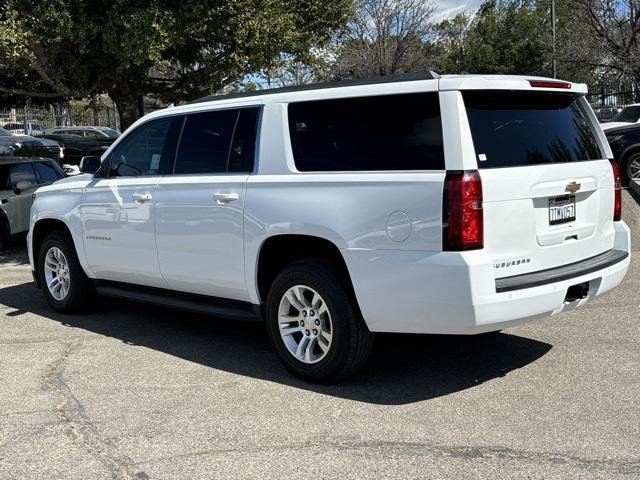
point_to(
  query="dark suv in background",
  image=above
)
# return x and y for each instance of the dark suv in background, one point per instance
(78, 142)
(625, 144)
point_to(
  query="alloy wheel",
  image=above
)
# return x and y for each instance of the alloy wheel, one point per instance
(56, 273)
(304, 324)
(633, 169)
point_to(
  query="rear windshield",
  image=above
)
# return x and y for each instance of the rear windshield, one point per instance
(511, 129)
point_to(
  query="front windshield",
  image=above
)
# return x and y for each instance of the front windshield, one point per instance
(629, 114)
(4, 133)
(109, 132)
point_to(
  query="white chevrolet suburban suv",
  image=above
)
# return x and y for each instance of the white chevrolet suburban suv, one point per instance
(418, 204)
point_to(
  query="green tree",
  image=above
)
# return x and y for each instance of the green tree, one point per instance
(504, 37)
(451, 41)
(171, 49)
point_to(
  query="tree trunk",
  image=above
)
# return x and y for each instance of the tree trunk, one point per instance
(127, 105)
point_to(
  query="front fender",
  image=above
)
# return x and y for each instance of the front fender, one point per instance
(62, 208)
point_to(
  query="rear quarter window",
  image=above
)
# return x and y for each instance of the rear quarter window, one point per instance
(512, 129)
(390, 132)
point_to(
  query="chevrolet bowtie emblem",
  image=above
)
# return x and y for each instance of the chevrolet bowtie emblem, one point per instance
(572, 187)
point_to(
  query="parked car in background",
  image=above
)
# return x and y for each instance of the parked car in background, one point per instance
(85, 131)
(629, 114)
(605, 114)
(625, 145)
(27, 146)
(24, 128)
(19, 178)
(78, 142)
(458, 204)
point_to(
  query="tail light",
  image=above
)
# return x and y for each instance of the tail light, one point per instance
(463, 223)
(549, 84)
(617, 187)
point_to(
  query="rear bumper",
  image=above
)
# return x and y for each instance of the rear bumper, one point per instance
(455, 293)
(559, 274)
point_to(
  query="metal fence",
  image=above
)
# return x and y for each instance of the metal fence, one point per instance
(60, 115)
(613, 95)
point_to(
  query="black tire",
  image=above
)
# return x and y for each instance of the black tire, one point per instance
(4, 232)
(351, 342)
(625, 171)
(81, 290)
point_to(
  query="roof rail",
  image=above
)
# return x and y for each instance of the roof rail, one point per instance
(405, 77)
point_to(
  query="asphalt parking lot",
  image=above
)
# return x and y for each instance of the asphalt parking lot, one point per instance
(135, 392)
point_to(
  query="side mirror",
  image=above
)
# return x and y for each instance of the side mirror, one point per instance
(90, 164)
(22, 185)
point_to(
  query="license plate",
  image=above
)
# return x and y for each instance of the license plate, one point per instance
(562, 209)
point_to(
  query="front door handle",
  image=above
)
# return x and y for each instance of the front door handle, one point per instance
(224, 198)
(141, 197)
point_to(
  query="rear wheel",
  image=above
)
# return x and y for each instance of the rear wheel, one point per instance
(631, 168)
(64, 283)
(314, 323)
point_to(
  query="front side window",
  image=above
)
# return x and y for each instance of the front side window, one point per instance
(205, 141)
(92, 134)
(19, 172)
(512, 128)
(390, 132)
(148, 150)
(47, 172)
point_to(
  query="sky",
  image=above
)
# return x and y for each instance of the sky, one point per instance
(450, 8)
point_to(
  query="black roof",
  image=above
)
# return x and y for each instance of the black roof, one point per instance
(11, 160)
(405, 77)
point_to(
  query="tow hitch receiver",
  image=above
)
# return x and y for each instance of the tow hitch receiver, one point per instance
(577, 292)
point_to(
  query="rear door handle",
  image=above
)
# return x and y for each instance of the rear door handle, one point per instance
(224, 198)
(141, 197)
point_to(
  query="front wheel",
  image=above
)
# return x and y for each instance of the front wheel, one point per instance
(314, 323)
(64, 283)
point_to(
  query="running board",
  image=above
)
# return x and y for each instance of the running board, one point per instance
(213, 306)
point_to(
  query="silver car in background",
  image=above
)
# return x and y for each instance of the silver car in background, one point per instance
(19, 178)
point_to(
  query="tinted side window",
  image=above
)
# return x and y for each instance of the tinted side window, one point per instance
(148, 150)
(22, 171)
(243, 147)
(391, 132)
(46, 172)
(205, 142)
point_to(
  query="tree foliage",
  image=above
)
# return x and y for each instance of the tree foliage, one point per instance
(505, 37)
(172, 49)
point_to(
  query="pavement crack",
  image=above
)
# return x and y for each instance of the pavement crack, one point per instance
(417, 449)
(79, 427)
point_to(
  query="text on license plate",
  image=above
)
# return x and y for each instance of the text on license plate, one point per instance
(562, 209)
